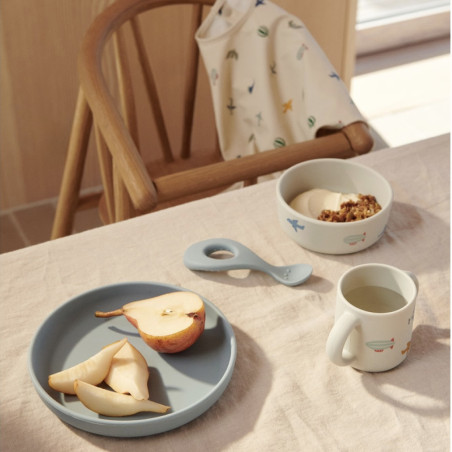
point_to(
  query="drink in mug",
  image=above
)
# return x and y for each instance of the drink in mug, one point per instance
(374, 318)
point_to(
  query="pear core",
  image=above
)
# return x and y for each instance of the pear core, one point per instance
(164, 317)
(168, 323)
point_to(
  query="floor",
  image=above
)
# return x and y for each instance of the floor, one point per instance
(404, 94)
(371, 10)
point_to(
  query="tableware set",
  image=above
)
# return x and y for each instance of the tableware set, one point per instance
(373, 319)
(375, 302)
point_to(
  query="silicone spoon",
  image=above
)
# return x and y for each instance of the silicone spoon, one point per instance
(198, 257)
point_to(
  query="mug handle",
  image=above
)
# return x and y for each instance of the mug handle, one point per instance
(337, 338)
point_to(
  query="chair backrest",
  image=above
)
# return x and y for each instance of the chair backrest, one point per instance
(129, 186)
(117, 126)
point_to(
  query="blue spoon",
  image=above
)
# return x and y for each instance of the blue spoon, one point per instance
(199, 257)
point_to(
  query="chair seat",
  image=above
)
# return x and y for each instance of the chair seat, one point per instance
(159, 168)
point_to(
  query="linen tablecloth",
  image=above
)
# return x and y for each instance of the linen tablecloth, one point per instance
(284, 393)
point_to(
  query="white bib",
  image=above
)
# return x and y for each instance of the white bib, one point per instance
(271, 83)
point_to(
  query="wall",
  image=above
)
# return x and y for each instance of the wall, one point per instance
(38, 84)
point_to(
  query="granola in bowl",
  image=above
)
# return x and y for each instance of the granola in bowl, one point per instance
(365, 207)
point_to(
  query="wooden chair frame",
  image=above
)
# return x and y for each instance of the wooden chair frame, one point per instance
(128, 186)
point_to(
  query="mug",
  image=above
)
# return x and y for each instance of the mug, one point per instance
(374, 318)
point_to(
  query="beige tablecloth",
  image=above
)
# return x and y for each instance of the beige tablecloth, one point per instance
(284, 393)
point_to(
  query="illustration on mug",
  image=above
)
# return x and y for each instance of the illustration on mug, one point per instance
(380, 346)
(408, 345)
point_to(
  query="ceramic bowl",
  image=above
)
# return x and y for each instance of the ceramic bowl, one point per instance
(345, 176)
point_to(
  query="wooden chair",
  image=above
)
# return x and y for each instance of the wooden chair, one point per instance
(129, 186)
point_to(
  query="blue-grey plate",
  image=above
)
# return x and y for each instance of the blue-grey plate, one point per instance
(190, 382)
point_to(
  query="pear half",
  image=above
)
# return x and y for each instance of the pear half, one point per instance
(129, 373)
(109, 403)
(168, 323)
(93, 370)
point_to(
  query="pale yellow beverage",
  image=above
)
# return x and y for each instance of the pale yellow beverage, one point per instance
(375, 299)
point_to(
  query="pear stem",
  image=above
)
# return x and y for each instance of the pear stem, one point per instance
(109, 314)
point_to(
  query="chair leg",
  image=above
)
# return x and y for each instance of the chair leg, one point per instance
(73, 170)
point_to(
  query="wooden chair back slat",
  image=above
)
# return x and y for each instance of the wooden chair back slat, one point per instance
(106, 171)
(152, 92)
(191, 83)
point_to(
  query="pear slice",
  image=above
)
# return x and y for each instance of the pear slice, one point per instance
(129, 373)
(168, 323)
(93, 370)
(109, 403)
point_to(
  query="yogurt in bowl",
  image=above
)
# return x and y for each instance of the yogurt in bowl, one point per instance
(341, 177)
(311, 203)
